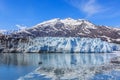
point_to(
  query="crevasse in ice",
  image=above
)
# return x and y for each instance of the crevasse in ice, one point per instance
(67, 44)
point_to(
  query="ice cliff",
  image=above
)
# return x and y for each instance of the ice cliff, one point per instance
(67, 44)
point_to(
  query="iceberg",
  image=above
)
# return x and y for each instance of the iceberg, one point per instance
(67, 44)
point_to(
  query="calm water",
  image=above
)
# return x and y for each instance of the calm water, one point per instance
(55, 66)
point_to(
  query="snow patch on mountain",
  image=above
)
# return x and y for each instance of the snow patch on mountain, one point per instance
(67, 22)
(119, 33)
(2, 31)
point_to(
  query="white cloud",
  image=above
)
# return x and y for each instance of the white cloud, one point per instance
(21, 27)
(90, 7)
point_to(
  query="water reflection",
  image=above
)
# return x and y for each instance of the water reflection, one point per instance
(72, 66)
(69, 66)
(15, 65)
(73, 60)
(53, 66)
(19, 59)
(55, 60)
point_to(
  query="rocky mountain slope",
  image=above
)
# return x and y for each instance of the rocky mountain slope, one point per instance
(71, 28)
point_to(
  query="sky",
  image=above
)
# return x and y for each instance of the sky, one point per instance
(16, 14)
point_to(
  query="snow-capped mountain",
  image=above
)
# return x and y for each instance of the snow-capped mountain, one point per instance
(71, 28)
(63, 35)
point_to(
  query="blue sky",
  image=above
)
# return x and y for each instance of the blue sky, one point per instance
(17, 13)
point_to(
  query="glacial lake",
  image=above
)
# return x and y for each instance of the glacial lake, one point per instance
(58, 66)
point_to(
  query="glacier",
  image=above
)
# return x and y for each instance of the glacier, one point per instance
(67, 44)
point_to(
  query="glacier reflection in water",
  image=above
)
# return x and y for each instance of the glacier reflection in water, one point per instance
(19, 59)
(12, 66)
(68, 66)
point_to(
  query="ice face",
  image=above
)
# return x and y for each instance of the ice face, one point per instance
(70, 44)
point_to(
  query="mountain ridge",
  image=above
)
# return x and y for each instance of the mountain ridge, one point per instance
(71, 28)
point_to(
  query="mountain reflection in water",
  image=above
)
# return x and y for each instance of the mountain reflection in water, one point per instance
(68, 66)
